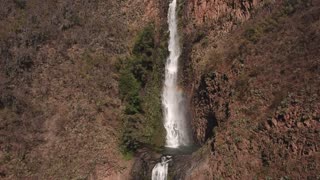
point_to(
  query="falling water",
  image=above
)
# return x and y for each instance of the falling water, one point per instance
(160, 171)
(172, 98)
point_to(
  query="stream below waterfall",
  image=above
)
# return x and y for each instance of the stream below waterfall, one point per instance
(160, 170)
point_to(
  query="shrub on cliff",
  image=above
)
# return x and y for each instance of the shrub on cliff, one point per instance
(145, 42)
(253, 34)
(129, 90)
(140, 85)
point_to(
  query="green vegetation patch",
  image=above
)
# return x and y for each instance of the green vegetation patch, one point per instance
(140, 86)
(253, 34)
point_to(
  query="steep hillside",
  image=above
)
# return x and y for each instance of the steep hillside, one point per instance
(81, 81)
(60, 108)
(253, 71)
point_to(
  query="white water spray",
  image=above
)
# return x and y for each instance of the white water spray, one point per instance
(172, 99)
(160, 171)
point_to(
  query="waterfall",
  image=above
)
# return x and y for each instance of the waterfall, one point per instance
(160, 170)
(173, 101)
(172, 98)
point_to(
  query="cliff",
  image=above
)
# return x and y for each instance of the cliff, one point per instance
(80, 86)
(253, 73)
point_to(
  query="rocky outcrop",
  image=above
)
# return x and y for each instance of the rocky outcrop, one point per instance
(250, 68)
(210, 105)
(209, 21)
(203, 11)
(265, 114)
(145, 160)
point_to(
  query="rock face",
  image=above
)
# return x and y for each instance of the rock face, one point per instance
(207, 22)
(250, 69)
(202, 11)
(211, 97)
(252, 72)
(145, 161)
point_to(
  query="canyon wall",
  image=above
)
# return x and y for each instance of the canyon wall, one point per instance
(251, 72)
(208, 23)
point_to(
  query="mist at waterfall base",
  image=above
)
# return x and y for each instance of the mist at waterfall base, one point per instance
(173, 101)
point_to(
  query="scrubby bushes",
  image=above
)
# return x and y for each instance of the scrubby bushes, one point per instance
(145, 42)
(129, 89)
(253, 34)
(140, 85)
(290, 6)
(20, 3)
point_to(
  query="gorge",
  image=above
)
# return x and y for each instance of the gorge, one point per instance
(123, 89)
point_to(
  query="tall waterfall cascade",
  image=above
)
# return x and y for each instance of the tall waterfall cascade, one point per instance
(173, 100)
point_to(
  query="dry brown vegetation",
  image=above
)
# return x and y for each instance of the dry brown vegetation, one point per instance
(251, 69)
(59, 103)
(272, 66)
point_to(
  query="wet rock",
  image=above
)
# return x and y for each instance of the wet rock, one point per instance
(145, 160)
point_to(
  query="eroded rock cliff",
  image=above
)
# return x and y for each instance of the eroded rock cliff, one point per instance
(252, 71)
